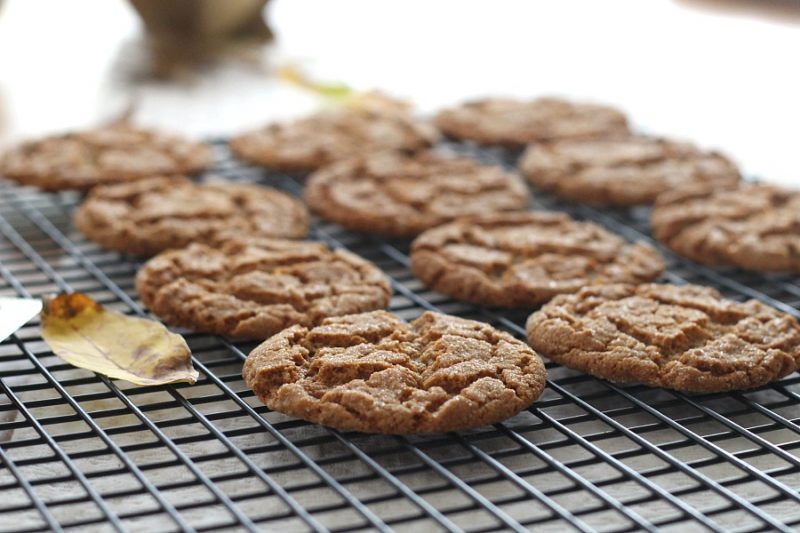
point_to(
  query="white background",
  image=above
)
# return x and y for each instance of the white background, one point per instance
(725, 74)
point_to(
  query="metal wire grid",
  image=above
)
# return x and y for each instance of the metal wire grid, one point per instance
(81, 451)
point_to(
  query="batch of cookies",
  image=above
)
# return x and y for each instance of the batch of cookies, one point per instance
(229, 257)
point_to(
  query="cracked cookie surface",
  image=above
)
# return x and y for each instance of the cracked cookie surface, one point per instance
(401, 195)
(118, 153)
(524, 259)
(623, 172)
(257, 288)
(686, 338)
(310, 143)
(148, 216)
(515, 123)
(374, 373)
(752, 226)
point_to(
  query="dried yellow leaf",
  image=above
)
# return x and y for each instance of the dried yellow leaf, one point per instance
(85, 334)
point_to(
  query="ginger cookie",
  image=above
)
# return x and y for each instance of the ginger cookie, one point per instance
(117, 153)
(148, 216)
(374, 373)
(255, 288)
(515, 123)
(310, 143)
(625, 171)
(752, 226)
(403, 195)
(524, 259)
(686, 338)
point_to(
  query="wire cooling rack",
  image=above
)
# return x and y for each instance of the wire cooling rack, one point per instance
(82, 452)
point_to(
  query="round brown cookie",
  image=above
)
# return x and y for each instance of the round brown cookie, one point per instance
(310, 143)
(117, 153)
(524, 259)
(256, 288)
(372, 372)
(401, 195)
(751, 226)
(515, 123)
(686, 338)
(623, 172)
(148, 216)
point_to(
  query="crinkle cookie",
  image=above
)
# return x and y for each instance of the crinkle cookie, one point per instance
(148, 216)
(623, 172)
(403, 195)
(524, 259)
(372, 372)
(752, 226)
(255, 288)
(117, 153)
(310, 143)
(686, 338)
(515, 123)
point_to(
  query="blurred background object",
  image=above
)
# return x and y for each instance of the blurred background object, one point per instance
(209, 20)
(720, 73)
(192, 33)
(775, 10)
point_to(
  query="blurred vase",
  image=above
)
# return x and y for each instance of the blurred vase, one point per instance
(203, 20)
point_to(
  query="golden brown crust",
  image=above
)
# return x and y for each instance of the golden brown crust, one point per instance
(148, 216)
(112, 154)
(373, 372)
(310, 143)
(396, 194)
(257, 288)
(624, 171)
(686, 338)
(751, 226)
(524, 259)
(515, 123)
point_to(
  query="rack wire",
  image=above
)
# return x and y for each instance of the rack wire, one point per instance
(83, 452)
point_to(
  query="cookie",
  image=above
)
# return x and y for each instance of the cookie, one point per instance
(310, 143)
(524, 259)
(402, 195)
(752, 226)
(623, 172)
(686, 338)
(148, 216)
(515, 123)
(374, 373)
(117, 153)
(255, 288)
